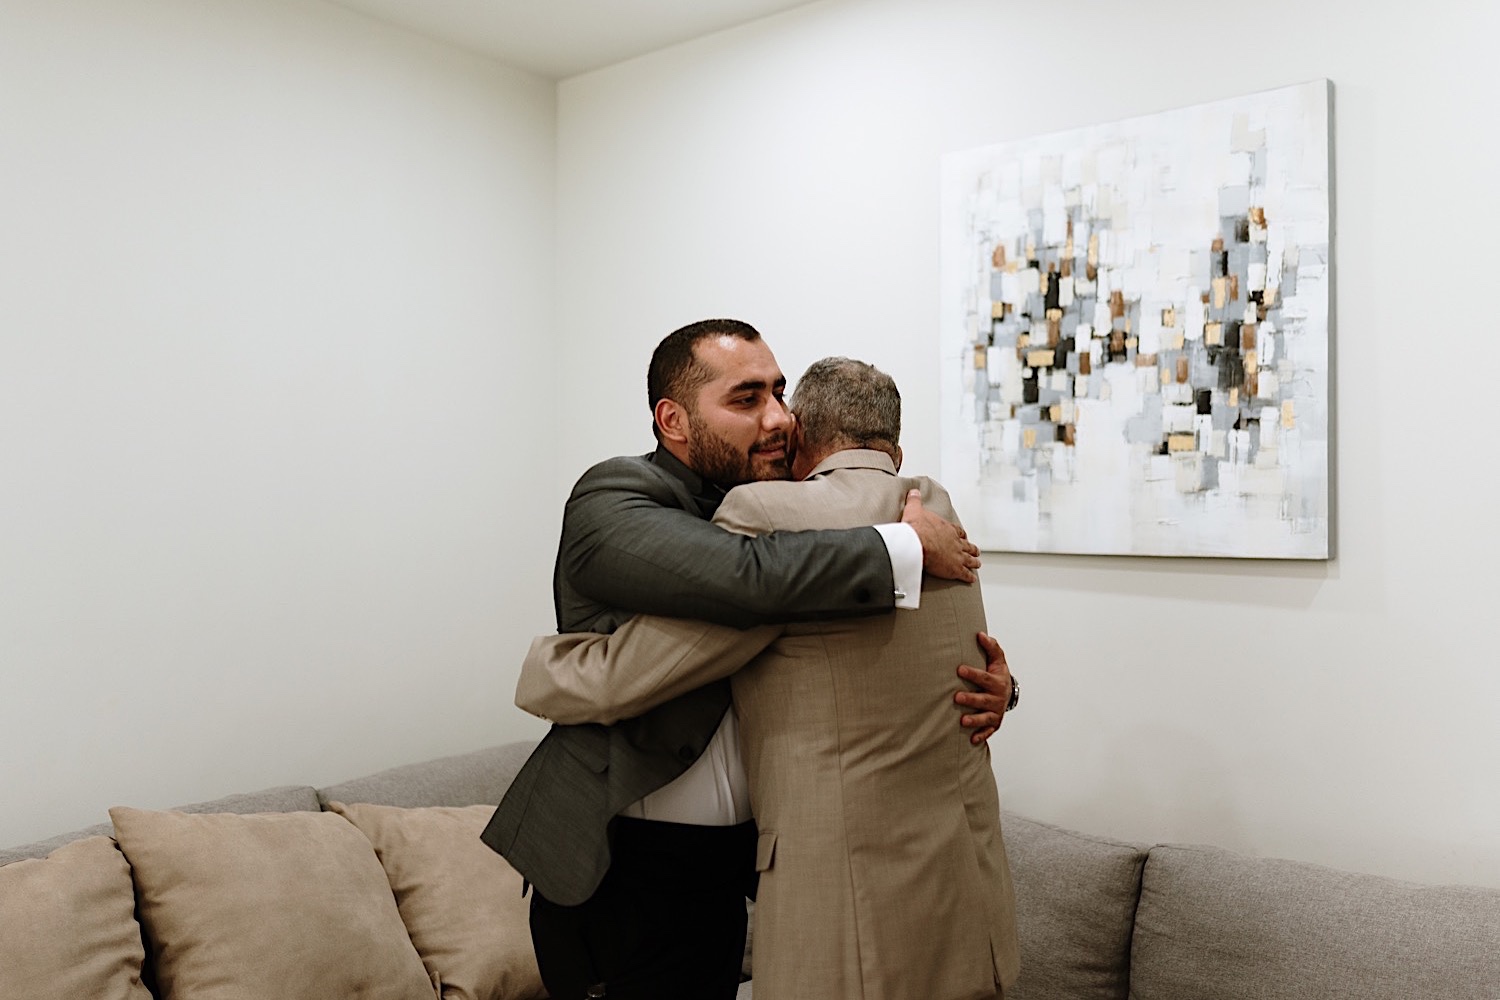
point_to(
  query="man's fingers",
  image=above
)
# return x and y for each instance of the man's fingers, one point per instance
(993, 683)
(982, 701)
(993, 654)
(985, 725)
(993, 692)
(913, 509)
(946, 553)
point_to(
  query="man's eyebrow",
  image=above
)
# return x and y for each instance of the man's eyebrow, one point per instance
(756, 385)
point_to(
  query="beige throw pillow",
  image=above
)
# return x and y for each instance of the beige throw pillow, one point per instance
(285, 905)
(460, 900)
(67, 926)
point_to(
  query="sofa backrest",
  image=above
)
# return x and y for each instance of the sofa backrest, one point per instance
(285, 798)
(1213, 923)
(477, 778)
(1075, 905)
(468, 779)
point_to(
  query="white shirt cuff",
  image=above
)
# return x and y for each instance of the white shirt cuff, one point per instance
(905, 550)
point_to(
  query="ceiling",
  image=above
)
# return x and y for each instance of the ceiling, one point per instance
(561, 38)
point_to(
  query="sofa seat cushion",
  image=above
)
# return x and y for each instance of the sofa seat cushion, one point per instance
(1216, 923)
(461, 902)
(67, 926)
(286, 905)
(1075, 906)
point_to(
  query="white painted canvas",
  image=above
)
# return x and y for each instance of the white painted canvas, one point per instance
(1135, 334)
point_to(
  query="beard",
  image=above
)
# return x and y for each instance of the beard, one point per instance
(717, 461)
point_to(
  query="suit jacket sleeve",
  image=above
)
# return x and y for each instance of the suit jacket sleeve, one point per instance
(629, 544)
(581, 677)
(587, 677)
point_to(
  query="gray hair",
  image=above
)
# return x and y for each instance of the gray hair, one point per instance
(842, 403)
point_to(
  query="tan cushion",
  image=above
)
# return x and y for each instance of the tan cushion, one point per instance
(460, 900)
(284, 905)
(67, 926)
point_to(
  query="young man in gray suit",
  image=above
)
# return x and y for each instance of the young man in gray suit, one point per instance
(882, 868)
(637, 842)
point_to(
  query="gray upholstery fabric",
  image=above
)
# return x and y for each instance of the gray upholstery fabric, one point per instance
(283, 798)
(1215, 923)
(1075, 904)
(42, 848)
(476, 778)
(287, 798)
(749, 937)
(470, 779)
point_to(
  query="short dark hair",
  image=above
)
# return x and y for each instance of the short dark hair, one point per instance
(675, 372)
(843, 403)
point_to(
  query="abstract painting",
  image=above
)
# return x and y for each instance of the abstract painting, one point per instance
(1135, 334)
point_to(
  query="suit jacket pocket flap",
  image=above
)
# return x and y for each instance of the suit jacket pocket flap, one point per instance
(765, 850)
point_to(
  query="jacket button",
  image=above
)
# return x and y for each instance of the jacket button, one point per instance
(862, 595)
(687, 753)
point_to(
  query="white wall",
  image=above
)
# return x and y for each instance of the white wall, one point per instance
(275, 288)
(277, 334)
(787, 173)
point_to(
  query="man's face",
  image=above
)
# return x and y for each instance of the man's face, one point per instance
(739, 430)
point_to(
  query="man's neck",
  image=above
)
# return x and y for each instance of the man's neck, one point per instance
(810, 460)
(705, 493)
(677, 449)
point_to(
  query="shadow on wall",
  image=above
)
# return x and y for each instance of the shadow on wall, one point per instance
(1270, 583)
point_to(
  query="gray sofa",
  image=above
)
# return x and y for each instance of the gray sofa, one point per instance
(1099, 919)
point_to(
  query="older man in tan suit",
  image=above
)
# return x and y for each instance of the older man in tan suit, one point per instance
(882, 871)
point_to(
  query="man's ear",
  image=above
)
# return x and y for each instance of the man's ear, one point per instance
(898, 458)
(672, 420)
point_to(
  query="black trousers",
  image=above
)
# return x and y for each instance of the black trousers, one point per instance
(667, 922)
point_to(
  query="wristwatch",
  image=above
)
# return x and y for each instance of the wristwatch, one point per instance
(1015, 693)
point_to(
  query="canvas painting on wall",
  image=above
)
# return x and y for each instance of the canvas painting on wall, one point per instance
(1135, 334)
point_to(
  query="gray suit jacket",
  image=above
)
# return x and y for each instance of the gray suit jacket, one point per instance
(636, 539)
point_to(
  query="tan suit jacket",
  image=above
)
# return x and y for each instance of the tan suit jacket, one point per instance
(883, 873)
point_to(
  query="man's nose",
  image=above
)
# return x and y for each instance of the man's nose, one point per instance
(777, 417)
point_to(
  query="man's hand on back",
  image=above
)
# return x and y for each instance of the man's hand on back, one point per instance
(947, 552)
(988, 704)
